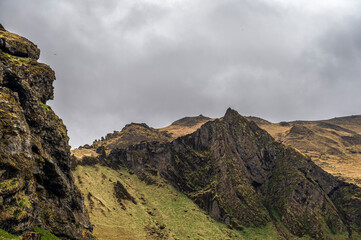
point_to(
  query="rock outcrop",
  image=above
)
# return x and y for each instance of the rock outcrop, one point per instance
(36, 185)
(334, 144)
(241, 176)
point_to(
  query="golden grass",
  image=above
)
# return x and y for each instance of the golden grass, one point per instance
(79, 153)
(157, 207)
(178, 130)
(325, 144)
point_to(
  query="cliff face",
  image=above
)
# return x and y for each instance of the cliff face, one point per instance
(334, 145)
(36, 185)
(237, 173)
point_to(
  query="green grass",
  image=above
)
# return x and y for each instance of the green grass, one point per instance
(43, 106)
(267, 233)
(159, 209)
(46, 235)
(6, 235)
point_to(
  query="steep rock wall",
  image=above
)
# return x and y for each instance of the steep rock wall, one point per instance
(36, 185)
(241, 176)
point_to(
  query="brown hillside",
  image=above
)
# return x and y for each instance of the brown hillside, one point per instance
(335, 144)
(185, 126)
(135, 133)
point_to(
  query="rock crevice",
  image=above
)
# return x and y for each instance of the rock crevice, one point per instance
(36, 185)
(241, 176)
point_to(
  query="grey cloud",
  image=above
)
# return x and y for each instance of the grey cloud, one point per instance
(157, 61)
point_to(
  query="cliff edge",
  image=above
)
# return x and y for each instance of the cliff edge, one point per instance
(36, 184)
(244, 178)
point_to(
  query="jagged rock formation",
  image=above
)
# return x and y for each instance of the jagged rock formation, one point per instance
(131, 134)
(36, 185)
(334, 145)
(241, 176)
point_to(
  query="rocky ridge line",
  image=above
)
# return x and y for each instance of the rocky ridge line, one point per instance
(241, 176)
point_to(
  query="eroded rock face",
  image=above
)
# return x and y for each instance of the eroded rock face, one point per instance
(36, 185)
(242, 177)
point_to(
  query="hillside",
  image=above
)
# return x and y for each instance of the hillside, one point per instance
(185, 126)
(334, 145)
(37, 191)
(135, 133)
(240, 176)
(150, 211)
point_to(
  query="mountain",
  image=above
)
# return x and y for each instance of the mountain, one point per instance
(238, 174)
(37, 190)
(198, 178)
(334, 145)
(185, 126)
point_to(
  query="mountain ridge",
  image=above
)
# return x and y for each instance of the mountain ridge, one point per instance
(237, 173)
(334, 144)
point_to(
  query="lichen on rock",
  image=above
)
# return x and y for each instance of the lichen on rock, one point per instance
(241, 176)
(36, 184)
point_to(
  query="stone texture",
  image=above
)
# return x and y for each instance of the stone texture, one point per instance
(31, 236)
(36, 185)
(237, 173)
(17, 45)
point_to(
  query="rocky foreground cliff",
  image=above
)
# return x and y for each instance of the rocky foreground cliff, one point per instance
(36, 185)
(242, 177)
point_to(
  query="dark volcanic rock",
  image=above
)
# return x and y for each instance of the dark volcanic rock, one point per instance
(242, 177)
(31, 236)
(36, 185)
(121, 193)
(190, 121)
(17, 45)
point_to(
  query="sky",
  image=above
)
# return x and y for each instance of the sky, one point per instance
(155, 61)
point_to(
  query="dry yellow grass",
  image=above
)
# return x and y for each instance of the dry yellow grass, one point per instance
(334, 145)
(185, 126)
(79, 153)
(160, 212)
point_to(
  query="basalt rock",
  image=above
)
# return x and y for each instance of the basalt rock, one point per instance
(36, 185)
(17, 45)
(241, 176)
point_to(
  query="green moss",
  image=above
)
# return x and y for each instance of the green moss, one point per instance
(14, 60)
(44, 107)
(45, 234)
(268, 232)
(27, 65)
(5, 235)
(156, 207)
(9, 185)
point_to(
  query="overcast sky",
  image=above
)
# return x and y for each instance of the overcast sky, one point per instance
(155, 61)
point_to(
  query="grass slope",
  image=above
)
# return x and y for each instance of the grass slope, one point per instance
(45, 235)
(6, 235)
(185, 126)
(334, 145)
(160, 212)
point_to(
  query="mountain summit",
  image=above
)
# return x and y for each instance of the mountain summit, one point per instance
(223, 178)
(242, 177)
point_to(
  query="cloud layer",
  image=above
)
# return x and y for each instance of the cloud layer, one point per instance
(153, 61)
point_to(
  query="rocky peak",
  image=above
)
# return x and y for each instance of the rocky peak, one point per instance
(241, 176)
(17, 45)
(135, 125)
(36, 185)
(21, 72)
(231, 113)
(190, 121)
